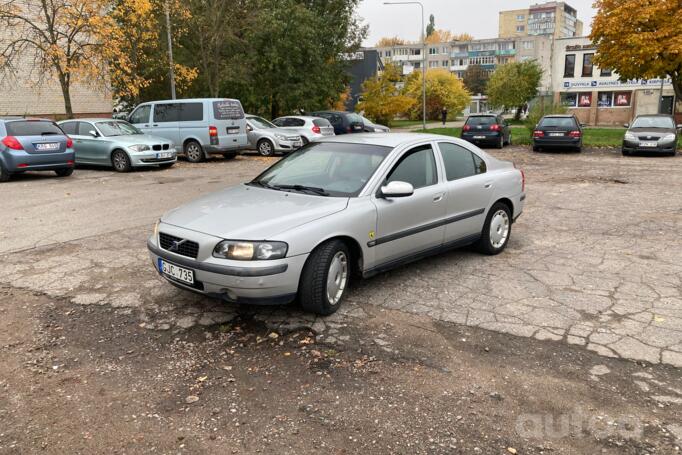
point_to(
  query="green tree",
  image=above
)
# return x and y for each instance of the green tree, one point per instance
(381, 100)
(443, 89)
(432, 25)
(475, 79)
(514, 84)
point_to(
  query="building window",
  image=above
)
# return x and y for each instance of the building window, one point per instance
(569, 65)
(528, 45)
(622, 99)
(605, 72)
(569, 99)
(585, 99)
(445, 63)
(587, 65)
(520, 28)
(432, 51)
(605, 99)
(520, 17)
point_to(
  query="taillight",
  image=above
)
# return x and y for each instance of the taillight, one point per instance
(12, 143)
(495, 127)
(466, 128)
(575, 133)
(538, 133)
(316, 129)
(212, 131)
(69, 142)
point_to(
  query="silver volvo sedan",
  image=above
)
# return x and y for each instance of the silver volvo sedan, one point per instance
(353, 205)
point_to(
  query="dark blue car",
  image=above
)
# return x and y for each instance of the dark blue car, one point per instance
(34, 145)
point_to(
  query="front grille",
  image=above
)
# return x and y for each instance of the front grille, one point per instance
(184, 247)
(649, 138)
(166, 146)
(156, 147)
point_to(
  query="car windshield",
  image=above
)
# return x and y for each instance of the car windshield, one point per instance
(325, 168)
(483, 121)
(653, 122)
(32, 128)
(260, 122)
(117, 128)
(558, 122)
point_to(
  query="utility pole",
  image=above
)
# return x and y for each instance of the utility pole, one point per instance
(170, 49)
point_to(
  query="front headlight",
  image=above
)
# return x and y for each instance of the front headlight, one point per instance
(630, 137)
(250, 251)
(669, 137)
(139, 148)
(281, 137)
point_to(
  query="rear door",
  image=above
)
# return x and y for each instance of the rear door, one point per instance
(166, 122)
(38, 137)
(230, 121)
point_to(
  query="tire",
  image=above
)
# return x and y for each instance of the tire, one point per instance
(314, 291)
(624, 152)
(500, 144)
(120, 161)
(265, 147)
(578, 149)
(166, 165)
(229, 156)
(64, 172)
(194, 152)
(498, 220)
(4, 174)
(509, 142)
(305, 141)
(536, 148)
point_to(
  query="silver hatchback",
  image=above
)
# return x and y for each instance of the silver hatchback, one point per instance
(349, 205)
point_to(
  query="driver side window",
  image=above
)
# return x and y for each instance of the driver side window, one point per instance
(417, 167)
(141, 114)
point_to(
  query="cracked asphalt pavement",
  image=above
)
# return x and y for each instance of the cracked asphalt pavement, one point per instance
(592, 273)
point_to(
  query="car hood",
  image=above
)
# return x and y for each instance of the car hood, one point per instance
(250, 213)
(654, 132)
(134, 139)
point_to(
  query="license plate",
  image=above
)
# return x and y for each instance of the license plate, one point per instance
(234, 130)
(357, 127)
(47, 147)
(164, 155)
(556, 134)
(648, 144)
(176, 272)
(479, 137)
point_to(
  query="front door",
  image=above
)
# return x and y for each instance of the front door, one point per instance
(141, 118)
(411, 224)
(469, 191)
(166, 122)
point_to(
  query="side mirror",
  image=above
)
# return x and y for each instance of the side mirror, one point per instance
(249, 128)
(397, 189)
(626, 125)
(583, 125)
(93, 133)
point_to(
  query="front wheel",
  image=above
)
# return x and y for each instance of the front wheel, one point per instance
(500, 144)
(265, 148)
(496, 230)
(325, 278)
(193, 152)
(120, 161)
(64, 172)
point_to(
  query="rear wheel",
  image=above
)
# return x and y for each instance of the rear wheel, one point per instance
(4, 174)
(64, 172)
(500, 143)
(624, 152)
(265, 148)
(194, 152)
(325, 278)
(496, 230)
(536, 148)
(509, 141)
(120, 161)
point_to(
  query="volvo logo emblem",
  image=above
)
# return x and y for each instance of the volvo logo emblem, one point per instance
(176, 244)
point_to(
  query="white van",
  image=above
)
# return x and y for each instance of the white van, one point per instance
(197, 127)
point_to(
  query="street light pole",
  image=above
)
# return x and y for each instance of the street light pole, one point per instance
(423, 38)
(171, 68)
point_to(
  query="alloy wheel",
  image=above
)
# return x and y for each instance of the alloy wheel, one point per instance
(499, 229)
(337, 277)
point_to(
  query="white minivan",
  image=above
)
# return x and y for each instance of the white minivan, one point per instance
(197, 127)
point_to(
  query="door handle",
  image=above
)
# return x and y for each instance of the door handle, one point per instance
(488, 185)
(146, 126)
(155, 124)
(438, 197)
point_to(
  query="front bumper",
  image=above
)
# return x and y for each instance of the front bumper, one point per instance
(151, 159)
(287, 146)
(661, 147)
(250, 282)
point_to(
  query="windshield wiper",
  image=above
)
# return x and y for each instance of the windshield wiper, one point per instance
(310, 189)
(263, 185)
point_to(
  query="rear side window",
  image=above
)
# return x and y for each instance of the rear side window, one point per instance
(141, 114)
(169, 112)
(69, 127)
(227, 110)
(417, 167)
(482, 121)
(279, 122)
(295, 122)
(192, 112)
(459, 162)
(321, 122)
(32, 128)
(558, 122)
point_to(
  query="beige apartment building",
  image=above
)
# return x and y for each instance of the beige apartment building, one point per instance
(556, 19)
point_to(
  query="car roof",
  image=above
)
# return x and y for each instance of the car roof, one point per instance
(189, 100)
(559, 116)
(483, 115)
(93, 120)
(13, 118)
(385, 139)
(302, 117)
(335, 112)
(655, 115)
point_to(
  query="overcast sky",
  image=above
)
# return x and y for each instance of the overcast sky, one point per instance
(476, 17)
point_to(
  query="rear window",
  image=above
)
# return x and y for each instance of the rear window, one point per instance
(483, 121)
(227, 110)
(32, 128)
(355, 118)
(321, 122)
(558, 122)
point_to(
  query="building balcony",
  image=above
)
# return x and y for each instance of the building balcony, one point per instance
(459, 67)
(458, 54)
(506, 52)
